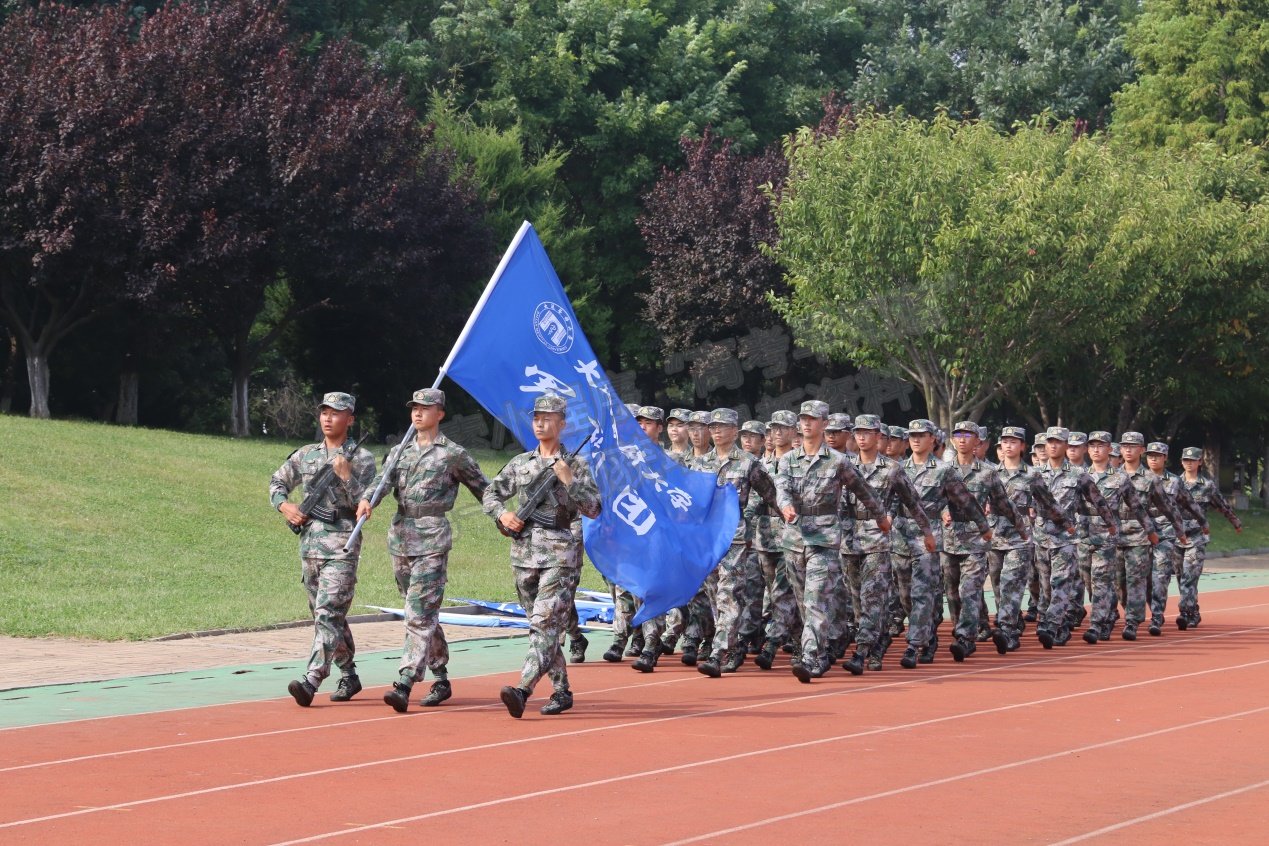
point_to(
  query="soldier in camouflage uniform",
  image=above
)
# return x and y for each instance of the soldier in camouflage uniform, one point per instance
(1122, 497)
(328, 573)
(868, 557)
(964, 555)
(698, 627)
(1169, 555)
(1009, 559)
(547, 560)
(1055, 550)
(1077, 455)
(768, 543)
(680, 450)
(842, 616)
(898, 443)
(809, 481)
(740, 585)
(1132, 561)
(425, 477)
(1116, 458)
(940, 487)
(753, 439)
(649, 418)
(1206, 495)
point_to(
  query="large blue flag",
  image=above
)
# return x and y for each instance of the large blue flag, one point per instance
(662, 528)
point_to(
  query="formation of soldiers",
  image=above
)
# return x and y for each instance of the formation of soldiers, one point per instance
(853, 533)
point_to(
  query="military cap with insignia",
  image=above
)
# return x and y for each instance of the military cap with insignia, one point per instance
(814, 408)
(339, 401)
(428, 396)
(1132, 439)
(869, 421)
(650, 412)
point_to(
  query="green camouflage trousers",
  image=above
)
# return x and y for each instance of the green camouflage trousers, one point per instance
(1132, 571)
(1084, 587)
(1063, 570)
(1044, 579)
(810, 572)
(546, 594)
(1012, 569)
(842, 615)
(963, 580)
(421, 580)
(871, 572)
(779, 603)
(1103, 592)
(1191, 571)
(698, 625)
(1168, 562)
(738, 600)
(919, 580)
(624, 607)
(330, 583)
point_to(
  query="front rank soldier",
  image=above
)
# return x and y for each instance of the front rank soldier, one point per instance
(425, 477)
(768, 547)
(329, 574)
(698, 617)
(1203, 491)
(546, 558)
(810, 481)
(842, 618)
(676, 431)
(1133, 557)
(1077, 455)
(1169, 555)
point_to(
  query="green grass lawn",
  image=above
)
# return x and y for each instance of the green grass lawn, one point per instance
(1255, 534)
(117, 533)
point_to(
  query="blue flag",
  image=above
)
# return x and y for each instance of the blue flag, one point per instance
(662, 528)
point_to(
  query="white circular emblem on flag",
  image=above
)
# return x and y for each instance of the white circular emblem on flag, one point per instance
(553, 327)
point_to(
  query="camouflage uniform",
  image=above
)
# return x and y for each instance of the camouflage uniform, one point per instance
(768, 548)
(739, 594)
(699, 615)
(1169, 555)
(1055, 549)
(547, 561)
(676, 618)
(1011, 555)
(329, 574)
(939, 487)
(868, 564)
(1121, 496)
(1083, 546)
(425, 483)
(1204, 493)
(812, 483)
(1133, 558)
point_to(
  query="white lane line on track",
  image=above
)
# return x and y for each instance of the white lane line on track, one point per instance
(635, 724)
(583, 695)
(1165, 812)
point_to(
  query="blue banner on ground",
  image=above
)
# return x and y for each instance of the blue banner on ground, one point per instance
(662, 528)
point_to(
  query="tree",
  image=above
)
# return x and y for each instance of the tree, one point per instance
(704, 227)
(1203, 73)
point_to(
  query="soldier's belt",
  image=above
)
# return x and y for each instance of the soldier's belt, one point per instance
(817, 511)
(414, 512)
(863, 514)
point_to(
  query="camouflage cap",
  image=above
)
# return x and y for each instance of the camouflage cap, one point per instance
(1158, 446)
(701, 417)
(1114, 451)
(983, 434)
(1077, 439)
(724, 416)
(966, 426)
(428, 396)
(1192, 454)
(1013, 432)
(650, 412)
(838, 422)
(921, 426)
(1132, 439)
(754, 427)
(550, 402)
(898, 433)
(784, 418)
(814, 408)
(870, 421)
(1057, 433)
(1039, 439)
(1100, 437)
(339, 401)
(681, 414)
(632, 407)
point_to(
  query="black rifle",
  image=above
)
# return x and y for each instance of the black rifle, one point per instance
(316, 492)
(538, 503)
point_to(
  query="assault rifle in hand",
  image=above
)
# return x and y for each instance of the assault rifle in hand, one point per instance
(317, 493)
(538, 504)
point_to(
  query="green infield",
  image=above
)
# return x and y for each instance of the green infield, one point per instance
(120, 533)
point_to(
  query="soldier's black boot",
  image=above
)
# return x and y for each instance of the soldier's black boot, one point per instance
(909, 659)
(440, 691)
(1045, 636)
(735, 660)
(1156, 627)
(577, 650)
(636, 645)
(1183, 622)
(302, 691)
(962, 648)
(349, 686)
(398, 697)
(514, 698)
(800, 672)
(646, 661)
(689, 653)
(931, 649)
(1062, 637)
(614, 652)
(709, 667)
(1091, 636)
(766, 658)
(561, 701)
(1129, 632)
(668, 645)
(855, 666)
(1001, 640)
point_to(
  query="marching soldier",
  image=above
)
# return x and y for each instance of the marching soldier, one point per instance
(1169, 555)
(546, 559)
(649, 418)
(1203, 491)
(1133, 558)
(425, 477)
(768, 543)
(329, 574)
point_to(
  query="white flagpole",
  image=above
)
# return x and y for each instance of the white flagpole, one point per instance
(525, 227)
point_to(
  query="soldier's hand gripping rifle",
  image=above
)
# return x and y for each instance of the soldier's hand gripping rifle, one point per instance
(317, 493)
(538, 504)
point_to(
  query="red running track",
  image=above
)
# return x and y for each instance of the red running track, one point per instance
(1139, 742)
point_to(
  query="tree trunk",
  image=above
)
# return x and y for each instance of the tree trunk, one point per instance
(239, 420)
(1264, 476)
(8, 381)
(38, 378)
(129, 391)
(1212, 456)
